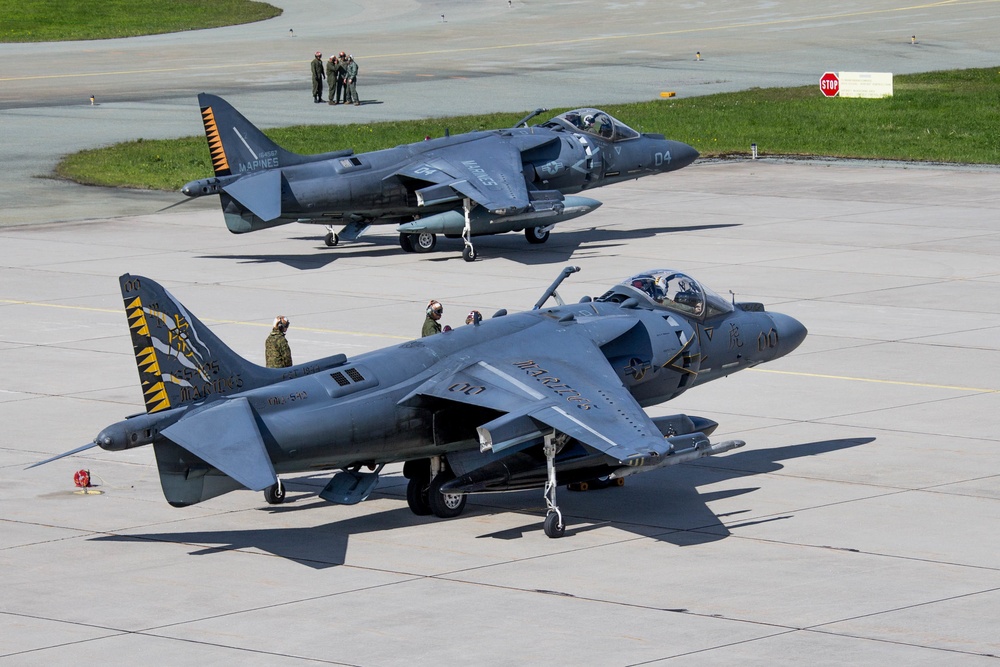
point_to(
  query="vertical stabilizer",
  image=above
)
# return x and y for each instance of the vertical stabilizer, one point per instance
(180, 360)
(235, 144)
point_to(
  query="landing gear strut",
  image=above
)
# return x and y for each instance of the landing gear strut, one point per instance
(468, 252)
(554, 526)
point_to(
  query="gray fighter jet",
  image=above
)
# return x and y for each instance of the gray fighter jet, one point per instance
(536, 399)
(478, 183)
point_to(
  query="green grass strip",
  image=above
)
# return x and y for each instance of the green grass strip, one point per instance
(62, 20)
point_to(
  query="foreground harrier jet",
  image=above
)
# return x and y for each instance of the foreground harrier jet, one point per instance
(536, 399)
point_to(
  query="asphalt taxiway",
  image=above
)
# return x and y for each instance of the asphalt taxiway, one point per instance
(857, 525)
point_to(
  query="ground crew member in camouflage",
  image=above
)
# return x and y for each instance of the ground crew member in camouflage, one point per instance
(277, 353)
(332, 74)
(317, 75)
(431, 323)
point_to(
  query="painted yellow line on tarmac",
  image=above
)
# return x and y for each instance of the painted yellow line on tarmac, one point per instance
(926, 385)
(849, 378)
(528, 45)
(16, 302)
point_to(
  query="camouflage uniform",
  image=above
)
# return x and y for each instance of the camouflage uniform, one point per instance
(277, 353)
(431, 327)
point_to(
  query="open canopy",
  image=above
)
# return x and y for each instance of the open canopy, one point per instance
(672, 290)
(593, 121)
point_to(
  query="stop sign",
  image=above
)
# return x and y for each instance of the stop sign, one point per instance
(829, 84)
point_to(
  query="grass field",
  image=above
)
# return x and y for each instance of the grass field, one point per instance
(939, 117)
(61, 20)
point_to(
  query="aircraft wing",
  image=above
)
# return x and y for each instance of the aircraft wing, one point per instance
(487, 171)
(567, 385)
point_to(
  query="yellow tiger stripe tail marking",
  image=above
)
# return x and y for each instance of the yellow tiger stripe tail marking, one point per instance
(219, 161)
(153, 390)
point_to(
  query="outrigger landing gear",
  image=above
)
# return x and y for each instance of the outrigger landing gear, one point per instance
(275, 494)
(554, 526)
(468, 252)
(331, 238)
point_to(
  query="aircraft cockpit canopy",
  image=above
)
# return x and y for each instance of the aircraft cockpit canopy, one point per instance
(673, 290)
(594, 121)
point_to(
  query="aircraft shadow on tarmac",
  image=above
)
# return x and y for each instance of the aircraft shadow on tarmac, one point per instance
(665, 505)
(560, 247)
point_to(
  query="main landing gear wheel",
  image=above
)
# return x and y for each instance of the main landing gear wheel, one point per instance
(536, 234)
(416, 496)
(469, 253)
(275, 494)
(405, 242)
(444, 505)
(331, 239)
(424, 242)
(554, 527)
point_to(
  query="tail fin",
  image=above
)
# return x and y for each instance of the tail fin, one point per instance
(180, 360)
(248, 168)
(235, 144)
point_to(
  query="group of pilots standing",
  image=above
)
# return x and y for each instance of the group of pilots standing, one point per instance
(341, 74)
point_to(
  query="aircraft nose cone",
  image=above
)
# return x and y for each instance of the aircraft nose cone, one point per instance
(681, 155)
(790, 331)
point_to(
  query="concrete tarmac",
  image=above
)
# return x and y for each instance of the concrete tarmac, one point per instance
(857, 525)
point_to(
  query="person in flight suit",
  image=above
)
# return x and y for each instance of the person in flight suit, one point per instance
(332, 69)
(341, 95)
(432, 323)
(351, 80)
(317, 77)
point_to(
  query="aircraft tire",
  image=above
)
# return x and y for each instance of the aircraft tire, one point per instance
(469, 253)
(331, 239)
(416, 496)
(405, 243)
(275, 494)
(444, 505)
(552, 527)
(424, 241)
(533, 235)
